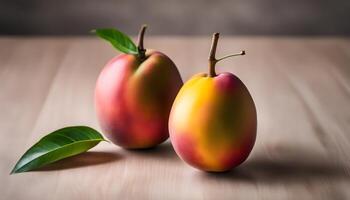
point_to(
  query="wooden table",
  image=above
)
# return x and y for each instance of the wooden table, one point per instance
(301, 87)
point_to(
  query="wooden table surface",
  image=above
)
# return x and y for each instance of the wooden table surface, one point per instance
(301, 87)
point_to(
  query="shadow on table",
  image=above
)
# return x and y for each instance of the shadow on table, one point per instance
(162, 151)
(287, 170)
(83, 160)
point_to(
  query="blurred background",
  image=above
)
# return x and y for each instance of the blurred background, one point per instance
(195, 17)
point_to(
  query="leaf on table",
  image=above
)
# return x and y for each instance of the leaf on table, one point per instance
(57, 145)
(119, 40)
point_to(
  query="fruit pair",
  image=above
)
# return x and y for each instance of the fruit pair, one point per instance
(212, 120)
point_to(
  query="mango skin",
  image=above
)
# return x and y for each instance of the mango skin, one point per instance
(133, 99)
(213, 122)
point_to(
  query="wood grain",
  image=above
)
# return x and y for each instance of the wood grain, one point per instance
(301, 87)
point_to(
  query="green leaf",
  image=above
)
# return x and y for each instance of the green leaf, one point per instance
(57, 145)
(119, 40)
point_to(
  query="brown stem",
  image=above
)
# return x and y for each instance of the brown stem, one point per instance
(212, 59)
(141, 49)
(232, 55)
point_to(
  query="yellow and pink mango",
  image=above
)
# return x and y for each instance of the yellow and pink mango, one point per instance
(213, 120)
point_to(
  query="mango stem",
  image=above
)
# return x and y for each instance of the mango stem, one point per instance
(141, 49)
(232, 55)
(213, 60)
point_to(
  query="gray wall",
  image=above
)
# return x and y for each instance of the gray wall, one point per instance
(191, 17)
